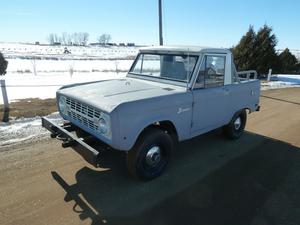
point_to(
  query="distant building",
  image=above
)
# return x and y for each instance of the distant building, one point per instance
(95, 44)
(130, 44)
(121, 44)
(37, 43)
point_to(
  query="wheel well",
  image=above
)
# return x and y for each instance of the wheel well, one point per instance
(248, 110)
(166, 126)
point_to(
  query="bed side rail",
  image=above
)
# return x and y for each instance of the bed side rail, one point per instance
(247, 75)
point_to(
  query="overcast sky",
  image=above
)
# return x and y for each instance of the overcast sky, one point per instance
(219, 23)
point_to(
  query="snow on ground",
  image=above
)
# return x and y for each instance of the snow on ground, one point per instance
(27, 51)
(22, 86)
(26, 66)
(21, 82)
(282, 81)
(36, 71)
(24, 130)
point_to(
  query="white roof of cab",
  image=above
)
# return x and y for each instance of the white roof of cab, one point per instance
(183, 50)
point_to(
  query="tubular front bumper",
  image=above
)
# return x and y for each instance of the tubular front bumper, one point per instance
(63, 133)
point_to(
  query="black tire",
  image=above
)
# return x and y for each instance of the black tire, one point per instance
(150, 155)
(235, 128)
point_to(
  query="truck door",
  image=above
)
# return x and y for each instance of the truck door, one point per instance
(211, 96)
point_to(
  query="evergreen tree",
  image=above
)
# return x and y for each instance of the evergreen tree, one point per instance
(297, 67)
(288, 62)
(244, 51)
(3, 65)
(265, 53)
(257, 51)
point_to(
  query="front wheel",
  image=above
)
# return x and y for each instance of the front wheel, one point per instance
(150, 155)
(235, 128)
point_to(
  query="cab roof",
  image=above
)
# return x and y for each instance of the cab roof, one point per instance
(194, 50)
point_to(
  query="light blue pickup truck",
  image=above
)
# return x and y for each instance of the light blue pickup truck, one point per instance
(170, 94)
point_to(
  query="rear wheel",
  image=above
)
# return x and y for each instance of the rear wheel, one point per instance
(150, 155)
(235, 128)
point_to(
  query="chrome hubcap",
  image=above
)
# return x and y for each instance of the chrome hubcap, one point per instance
(237, 123)
(153, 156)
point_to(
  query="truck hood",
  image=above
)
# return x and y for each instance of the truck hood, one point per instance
(107, 95)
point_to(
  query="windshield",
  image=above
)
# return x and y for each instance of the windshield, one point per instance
(165, 66)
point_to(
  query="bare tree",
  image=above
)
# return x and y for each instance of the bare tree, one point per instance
(108, 38)
(70, 39)
(104, 39)
(81, 39)
(101, 39)
(85, 38)
(54, 38)
(51, 39)
(64, 38)
(76, 38)
(57, 39)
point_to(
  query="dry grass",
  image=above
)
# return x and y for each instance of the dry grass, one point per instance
(30, 107)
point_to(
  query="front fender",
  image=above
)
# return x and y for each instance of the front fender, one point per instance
(133, 122)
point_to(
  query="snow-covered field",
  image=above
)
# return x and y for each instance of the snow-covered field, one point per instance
(40, 67)
(281, 81)
(38, 71)
(45, 85)
(27, 51)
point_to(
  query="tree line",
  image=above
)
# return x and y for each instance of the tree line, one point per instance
(256, 50)
(77, 39)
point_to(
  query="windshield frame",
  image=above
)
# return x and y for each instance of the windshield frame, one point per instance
(162, 79)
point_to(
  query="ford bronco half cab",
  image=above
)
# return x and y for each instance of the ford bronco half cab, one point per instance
(170, 94)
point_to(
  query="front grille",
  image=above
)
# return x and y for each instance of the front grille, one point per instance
(86, 115)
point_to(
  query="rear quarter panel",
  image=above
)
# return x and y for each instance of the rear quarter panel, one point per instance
(244, 95)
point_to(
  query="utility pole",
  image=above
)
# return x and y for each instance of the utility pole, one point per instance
(161, 42)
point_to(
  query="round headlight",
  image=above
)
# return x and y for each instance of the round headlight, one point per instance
(103, 127)
(62, 104)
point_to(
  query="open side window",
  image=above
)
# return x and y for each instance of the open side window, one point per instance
(212, 72)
